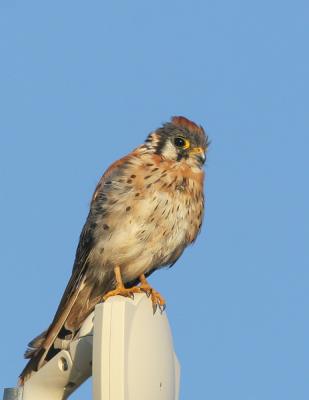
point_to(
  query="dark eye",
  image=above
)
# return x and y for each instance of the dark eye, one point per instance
(181, 142)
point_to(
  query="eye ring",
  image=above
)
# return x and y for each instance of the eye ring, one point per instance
(181, 142)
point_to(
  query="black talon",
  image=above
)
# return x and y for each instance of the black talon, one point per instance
(146, 291)
(162, 308)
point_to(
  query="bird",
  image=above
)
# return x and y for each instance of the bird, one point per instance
(146, 209)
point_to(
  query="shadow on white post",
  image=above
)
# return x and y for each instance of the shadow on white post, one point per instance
(128, 350)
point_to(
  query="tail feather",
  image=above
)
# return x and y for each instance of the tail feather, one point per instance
(41, 345)
(72, 311)
(35, 344)
(31, 366)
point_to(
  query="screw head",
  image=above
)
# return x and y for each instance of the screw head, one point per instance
(63, 364)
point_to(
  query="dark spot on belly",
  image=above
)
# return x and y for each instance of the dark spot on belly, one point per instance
(141, 235)
(128, 208)
(101, 250)
(180, 187)
(154, 170)
(173, 181)
(148, 186)
(133, 176)
(149, 165)
(136, 194)
(105, 227)
(129, 181)
(147, 177)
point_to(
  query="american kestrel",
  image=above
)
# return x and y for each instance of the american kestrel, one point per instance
(146, 209)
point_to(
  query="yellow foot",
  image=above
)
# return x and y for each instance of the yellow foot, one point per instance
(122, 291)
(156, 298)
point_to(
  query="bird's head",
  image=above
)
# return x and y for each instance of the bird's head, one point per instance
(180, 140)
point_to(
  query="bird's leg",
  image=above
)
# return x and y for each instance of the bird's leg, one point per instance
(156, 298)
(145, 287)
(120, 288)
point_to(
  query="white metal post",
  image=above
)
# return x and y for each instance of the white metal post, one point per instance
(127, 349)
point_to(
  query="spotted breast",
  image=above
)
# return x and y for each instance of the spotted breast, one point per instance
(150, 211)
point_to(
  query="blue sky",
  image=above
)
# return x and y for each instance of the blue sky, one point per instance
(82, 83)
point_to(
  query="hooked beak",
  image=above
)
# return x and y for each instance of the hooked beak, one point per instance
(199, 154)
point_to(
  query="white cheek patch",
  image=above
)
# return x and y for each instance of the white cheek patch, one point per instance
(169, 151)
